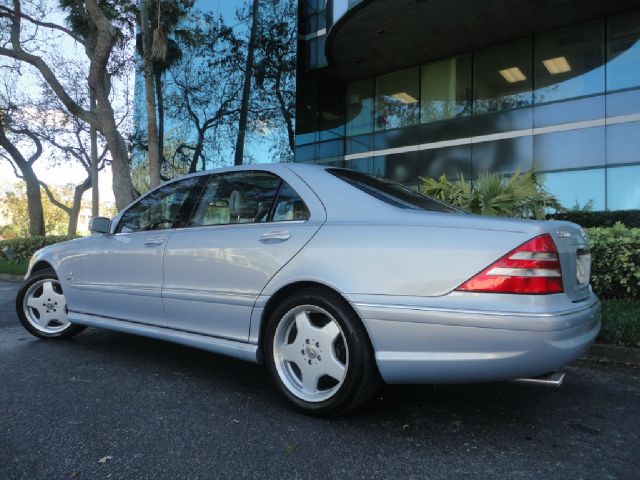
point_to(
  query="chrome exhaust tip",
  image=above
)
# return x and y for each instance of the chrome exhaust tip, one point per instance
(552, 379)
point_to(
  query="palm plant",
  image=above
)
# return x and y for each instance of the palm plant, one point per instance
(519, 195)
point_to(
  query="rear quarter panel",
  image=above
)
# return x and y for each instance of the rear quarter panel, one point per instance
(406, 260)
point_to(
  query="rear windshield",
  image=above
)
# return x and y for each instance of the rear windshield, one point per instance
(391, 192)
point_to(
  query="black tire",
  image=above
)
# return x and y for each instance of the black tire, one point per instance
(361, 379)
(69, 331)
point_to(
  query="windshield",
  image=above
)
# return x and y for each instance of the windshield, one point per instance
(392, 192)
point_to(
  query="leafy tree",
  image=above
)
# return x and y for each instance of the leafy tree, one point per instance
(102, 28)
(14, 205)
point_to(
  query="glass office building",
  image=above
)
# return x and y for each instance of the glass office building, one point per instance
(409, 88)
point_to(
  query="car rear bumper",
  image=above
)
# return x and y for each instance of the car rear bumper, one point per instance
(417, 345)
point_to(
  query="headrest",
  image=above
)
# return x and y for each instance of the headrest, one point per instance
(238, 206)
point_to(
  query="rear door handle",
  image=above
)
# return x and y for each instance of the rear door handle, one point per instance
(275, 236)
(154, 242)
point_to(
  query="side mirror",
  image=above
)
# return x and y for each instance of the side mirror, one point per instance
(100, 225)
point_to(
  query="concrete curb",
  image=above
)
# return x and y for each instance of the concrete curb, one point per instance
(602, 353)
(11, 278)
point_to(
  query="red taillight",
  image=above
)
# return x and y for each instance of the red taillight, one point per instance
(533, 267)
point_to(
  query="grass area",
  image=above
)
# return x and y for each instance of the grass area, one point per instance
(620, 322)
(13, 268)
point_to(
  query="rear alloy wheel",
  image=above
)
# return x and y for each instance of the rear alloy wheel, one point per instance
(42, 307)
(319, 354)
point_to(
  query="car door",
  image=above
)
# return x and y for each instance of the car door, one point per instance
(245, 227)
(122, 271)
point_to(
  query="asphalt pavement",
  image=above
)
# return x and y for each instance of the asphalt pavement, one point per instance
(113, 406)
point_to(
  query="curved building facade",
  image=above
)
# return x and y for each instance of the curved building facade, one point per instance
(413, 88)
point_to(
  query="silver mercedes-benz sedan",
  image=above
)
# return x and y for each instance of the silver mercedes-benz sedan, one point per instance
(332, 278)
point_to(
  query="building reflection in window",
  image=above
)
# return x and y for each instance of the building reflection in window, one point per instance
(446, 89)
(590, 195)
(502, 77)
(623, 51)
(397, 99)
(569, 63)
(360, 100)
(623, 188)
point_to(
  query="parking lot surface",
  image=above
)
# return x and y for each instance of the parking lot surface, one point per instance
(109, 405)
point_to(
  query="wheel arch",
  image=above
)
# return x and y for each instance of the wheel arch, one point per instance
(286, 290)
(41, 265)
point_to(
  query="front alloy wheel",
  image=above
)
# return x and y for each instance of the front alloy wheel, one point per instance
(42, 307)
(319, 354)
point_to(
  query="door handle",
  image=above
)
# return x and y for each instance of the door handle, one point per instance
(275, 236)
(154, 242)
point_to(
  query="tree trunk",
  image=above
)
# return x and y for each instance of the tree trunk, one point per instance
(150, 96)
(246, 88)
(34, 203)
(34, 196)
(74, 212)
(95, 189)
(160, 100)
(286, 114)
(193, 167)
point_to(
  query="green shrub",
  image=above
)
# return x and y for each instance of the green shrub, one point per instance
(630, 218)
(615, 268)
(21, 249)
(518, 195)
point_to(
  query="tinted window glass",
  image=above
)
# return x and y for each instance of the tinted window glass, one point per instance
(446, 89)
(578, 189)
(623, 188)
(392, 193)
(397, 96)
(569, 63)
(502, 77)
(160, 209)
(289, 206)
(238, 197)
(360, 107)
(623, 52)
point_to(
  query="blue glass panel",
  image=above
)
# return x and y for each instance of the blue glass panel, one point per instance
(503, 156)
(584, 147)
(623, 103)
(359, 144)
(450, 161)
(590, 108)
(360, 102)
(502, 77)
(569, 62)
(623, 51)
(623, 188)
(577, 188)
(623, 143)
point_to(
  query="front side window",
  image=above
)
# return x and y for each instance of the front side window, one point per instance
(391, 192)
(161, 209)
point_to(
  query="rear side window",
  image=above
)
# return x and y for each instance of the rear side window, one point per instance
(237, 197)
(247, 197)
(392, 192)
(289, 206)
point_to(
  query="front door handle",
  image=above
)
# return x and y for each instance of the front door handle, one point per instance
(154, 242)
(275, 236)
